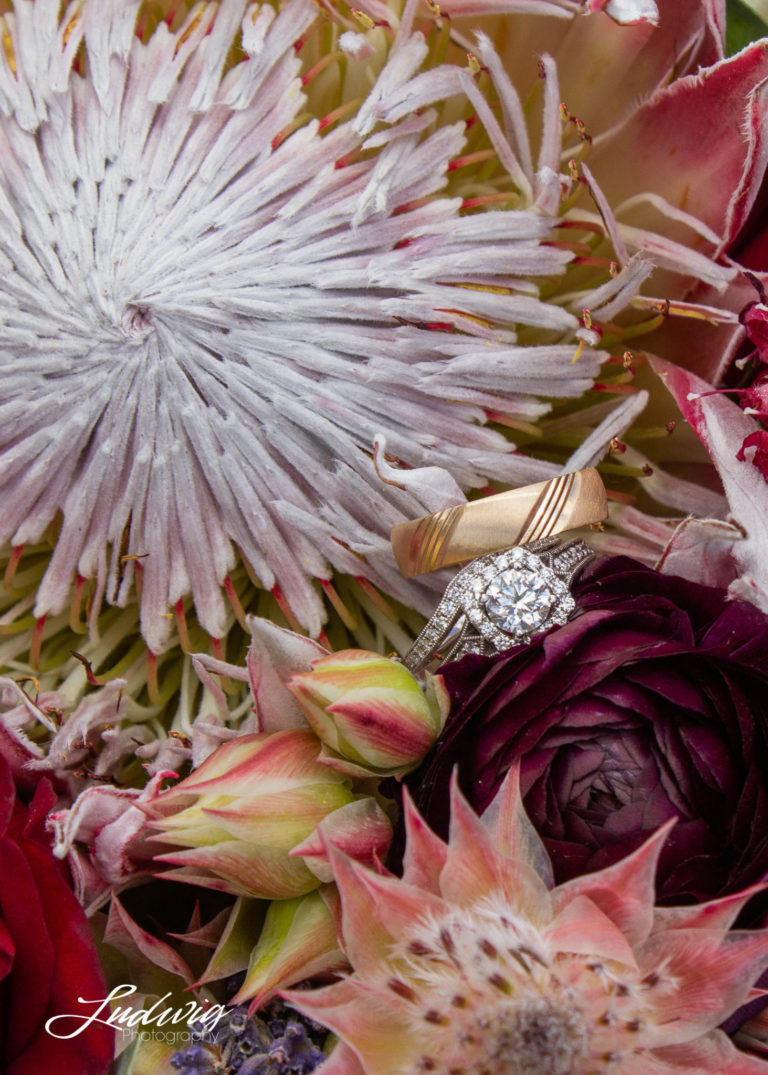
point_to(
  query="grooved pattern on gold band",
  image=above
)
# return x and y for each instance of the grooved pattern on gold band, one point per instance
(431, 538)
(458, 534)
(546, 512)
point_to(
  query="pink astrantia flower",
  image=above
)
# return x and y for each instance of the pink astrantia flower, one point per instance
(473, 962)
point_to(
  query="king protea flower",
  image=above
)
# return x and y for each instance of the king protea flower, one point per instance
(227, 265)
(473, 963)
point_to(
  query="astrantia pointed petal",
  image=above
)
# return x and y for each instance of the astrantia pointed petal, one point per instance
(624, 892)
(582, 928)
(710, 975)
(367, 941)
(425, 853)
(512, 831)
(474, 866)
(714, 914)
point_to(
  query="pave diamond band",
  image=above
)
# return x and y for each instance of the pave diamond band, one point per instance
(501, 600)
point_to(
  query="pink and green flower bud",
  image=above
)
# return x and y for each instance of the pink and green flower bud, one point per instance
(237, 818)
(299, 939)
(370, 712)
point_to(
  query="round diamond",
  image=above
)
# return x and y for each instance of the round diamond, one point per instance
(518, 601)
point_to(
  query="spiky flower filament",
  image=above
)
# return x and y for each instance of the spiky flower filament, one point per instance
(260, 237)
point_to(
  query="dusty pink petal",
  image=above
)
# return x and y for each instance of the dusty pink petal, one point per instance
(702, 550)
(68, 746)
(665, 151)
(625, 892)
(15, 745)
(343, 1061)
(723, 427)
(274, 655)
(473, 863)
(511, 830)
(425, 853)
(707, 346)
(360, 829)
(606, 70)
(582, 928)
(754, 129)
(712, 973)
(712, 1054)
(364, 1016)
(367, 940)
(715, 914)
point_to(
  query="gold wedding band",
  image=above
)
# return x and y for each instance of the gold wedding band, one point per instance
(495, 523)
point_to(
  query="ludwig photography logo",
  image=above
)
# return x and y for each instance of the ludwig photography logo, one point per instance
(134, 1022)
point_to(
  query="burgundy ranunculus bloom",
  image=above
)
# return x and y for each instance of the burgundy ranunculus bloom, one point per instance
(47, 955)
(652, 703)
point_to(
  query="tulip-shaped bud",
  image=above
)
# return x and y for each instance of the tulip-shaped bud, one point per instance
(238, 817)
(370, 712)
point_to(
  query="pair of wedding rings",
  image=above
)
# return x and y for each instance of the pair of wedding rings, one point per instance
(518, 581)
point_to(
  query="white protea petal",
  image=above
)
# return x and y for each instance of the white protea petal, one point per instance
(207, 321)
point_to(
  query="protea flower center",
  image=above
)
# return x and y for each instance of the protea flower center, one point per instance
(494, 1003)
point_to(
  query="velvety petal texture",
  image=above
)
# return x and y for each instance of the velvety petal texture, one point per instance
(652, 704)
(47, 955)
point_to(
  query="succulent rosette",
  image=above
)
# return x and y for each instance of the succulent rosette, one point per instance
(242, 818)
(651, 704)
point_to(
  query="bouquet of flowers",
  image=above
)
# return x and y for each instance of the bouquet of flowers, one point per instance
(320, 748)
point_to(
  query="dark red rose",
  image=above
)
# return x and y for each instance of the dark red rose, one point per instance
(47, 955)
(653, 703)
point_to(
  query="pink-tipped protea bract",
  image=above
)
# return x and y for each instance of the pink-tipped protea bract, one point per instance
(240, 819)
(372, 715)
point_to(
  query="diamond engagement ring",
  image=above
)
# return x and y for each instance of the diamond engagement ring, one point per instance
(501, 600)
